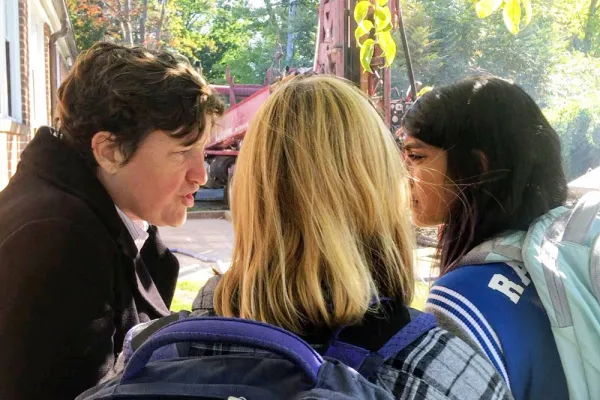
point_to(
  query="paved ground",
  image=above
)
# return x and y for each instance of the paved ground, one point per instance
(208, 244)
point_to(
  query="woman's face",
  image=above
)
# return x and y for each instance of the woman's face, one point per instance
(432, 191)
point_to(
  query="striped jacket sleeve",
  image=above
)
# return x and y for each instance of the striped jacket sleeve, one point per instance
(460, 316)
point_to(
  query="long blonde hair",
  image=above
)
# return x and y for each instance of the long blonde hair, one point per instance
(320, 211)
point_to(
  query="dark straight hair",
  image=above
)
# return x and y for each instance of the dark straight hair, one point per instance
(502, 155)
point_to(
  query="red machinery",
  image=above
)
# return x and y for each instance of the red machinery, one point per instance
(336, 54)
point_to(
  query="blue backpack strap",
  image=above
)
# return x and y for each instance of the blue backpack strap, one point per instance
(418, 326)
(351, 355)
(235, 331)
(366, 362)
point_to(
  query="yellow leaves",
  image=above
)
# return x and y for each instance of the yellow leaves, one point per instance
(528, 11)
(485, 8)
(383, 18)
(366, 54)
(380, 20)
(511, 12)
(388, 46)
(363, 28)
(512, 15)
(361, 10)
(424, 90)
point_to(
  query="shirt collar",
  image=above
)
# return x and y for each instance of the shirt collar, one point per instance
(137, 229)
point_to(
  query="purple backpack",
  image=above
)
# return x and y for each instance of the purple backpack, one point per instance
(271, 363)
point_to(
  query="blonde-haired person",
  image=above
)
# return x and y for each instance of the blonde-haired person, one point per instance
(322, 228)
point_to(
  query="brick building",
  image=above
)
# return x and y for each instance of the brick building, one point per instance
(37, 48)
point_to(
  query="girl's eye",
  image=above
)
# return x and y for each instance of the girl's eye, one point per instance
(414, 157)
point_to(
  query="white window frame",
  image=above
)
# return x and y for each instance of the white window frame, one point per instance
(3, 83)
(9, 29)
(37, 68)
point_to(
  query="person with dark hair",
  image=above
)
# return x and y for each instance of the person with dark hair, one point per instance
(484, 163)
(81, 261)
(324, 251)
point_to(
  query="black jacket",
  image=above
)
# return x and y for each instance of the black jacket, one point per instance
(72, 281)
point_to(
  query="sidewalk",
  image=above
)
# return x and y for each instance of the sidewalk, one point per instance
(208, 244)
(211, 242)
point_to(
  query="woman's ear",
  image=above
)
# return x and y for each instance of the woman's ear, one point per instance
(106, 152)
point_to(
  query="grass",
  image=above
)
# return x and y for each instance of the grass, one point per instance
(420, 296)
(185, 293)
(187, 290)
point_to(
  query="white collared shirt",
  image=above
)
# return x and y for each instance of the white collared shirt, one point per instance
(137, 229)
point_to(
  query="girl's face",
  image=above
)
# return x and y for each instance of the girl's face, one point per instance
(432, 191)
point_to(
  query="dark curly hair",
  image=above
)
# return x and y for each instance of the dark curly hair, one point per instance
(131, 92)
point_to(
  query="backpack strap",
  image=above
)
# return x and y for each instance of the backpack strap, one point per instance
(351, 355)
(367, 362)
(582, 217)
(234, 331)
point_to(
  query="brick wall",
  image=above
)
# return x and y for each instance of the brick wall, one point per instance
(13, 136)
(13, 139)
(24, 47)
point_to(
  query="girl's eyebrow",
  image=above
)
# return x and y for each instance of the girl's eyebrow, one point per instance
(414, 145)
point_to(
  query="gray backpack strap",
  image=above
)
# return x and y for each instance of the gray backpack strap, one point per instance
(582, 217)
(595, 268)
(203, 305)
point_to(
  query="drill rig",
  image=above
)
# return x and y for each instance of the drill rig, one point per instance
(336, 53)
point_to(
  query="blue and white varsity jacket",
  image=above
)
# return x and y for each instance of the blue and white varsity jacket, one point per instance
(491, 303)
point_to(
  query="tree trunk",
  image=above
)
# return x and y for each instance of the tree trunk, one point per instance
(285, 5)
(163, 11)
(291, 35)
(587, 37)
(127, 22)
(119, 17)
(143, 19)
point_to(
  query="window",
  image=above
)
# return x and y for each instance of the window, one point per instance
(8, 87)
(10, 82)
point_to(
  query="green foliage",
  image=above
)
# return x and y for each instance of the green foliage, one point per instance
(574, 110)
(88, 21)
(380, 26)
(235, 33)
(449, 42)
(245, 39)
(555, 59)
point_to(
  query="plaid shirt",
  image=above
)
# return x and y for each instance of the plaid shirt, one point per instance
(436, 366)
